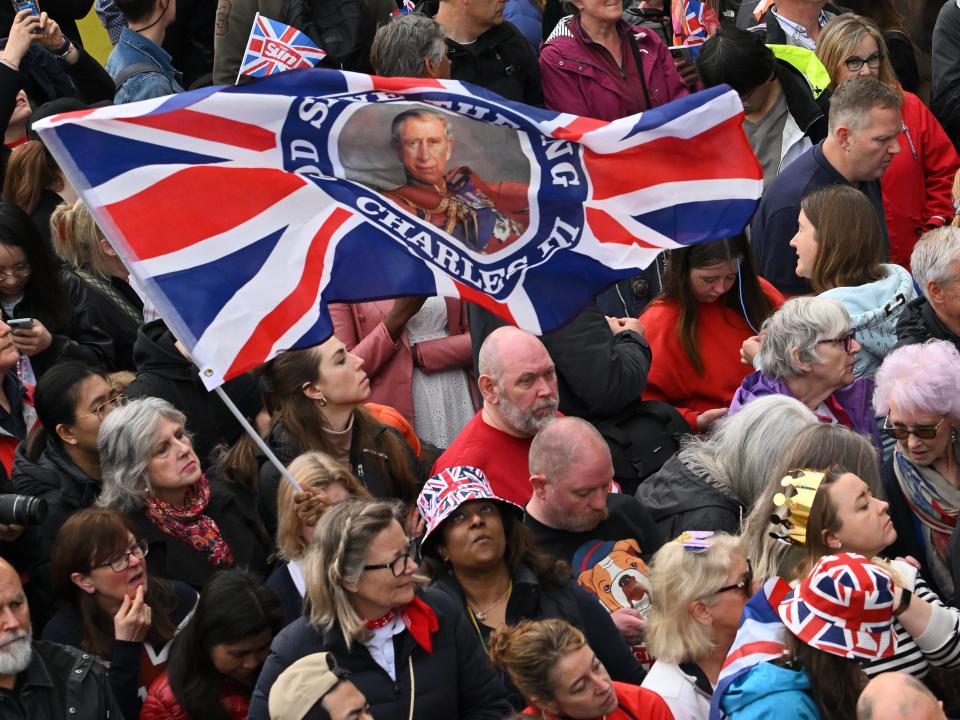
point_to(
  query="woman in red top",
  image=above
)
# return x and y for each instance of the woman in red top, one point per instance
(712, 301)
(557, 672)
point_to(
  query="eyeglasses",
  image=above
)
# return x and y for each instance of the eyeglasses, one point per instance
(103, 409)
(138, 550)
(400, 565)
(845, 341)
(921, 432)
(18, 272)
(855, 64)
(745, 586)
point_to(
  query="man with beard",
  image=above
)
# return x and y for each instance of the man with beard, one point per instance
(519, 386)
(41, 680)
(572, 513)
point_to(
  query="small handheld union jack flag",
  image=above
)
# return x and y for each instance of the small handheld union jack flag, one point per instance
(407, 7)
(274, 47)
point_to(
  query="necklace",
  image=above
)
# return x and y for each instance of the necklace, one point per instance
(481, 615)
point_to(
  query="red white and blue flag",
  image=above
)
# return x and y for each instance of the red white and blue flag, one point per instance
(274, 47)
(234, 212)
(760, 638)
(693, 21)
(406, 8)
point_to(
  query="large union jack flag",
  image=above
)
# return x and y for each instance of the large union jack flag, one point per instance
(234, 212)
(275, 47)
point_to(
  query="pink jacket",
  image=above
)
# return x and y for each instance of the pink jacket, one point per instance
(580, 76)
(917, 186)
(390, 366)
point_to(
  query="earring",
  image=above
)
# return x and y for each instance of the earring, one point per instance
(322, 400)
(839, 545)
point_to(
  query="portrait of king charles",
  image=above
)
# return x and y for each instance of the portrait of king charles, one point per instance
(484, 216)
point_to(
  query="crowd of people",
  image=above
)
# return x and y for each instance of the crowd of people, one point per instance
(728, 488)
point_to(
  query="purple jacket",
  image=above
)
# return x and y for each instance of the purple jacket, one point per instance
(580, 76)
(855, 399)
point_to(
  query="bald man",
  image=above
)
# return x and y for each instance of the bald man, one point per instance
(41, 680)
(898, 696)
(518, 382)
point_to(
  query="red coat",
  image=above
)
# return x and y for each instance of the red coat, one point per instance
(917, 186)
(390, 366)
(640, 702)
(720, 333)
(161, 704)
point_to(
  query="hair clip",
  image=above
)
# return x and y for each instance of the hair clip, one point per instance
(695, 540)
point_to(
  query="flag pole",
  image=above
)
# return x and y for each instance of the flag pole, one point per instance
(257, 439)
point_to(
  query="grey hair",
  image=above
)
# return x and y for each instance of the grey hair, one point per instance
(125, 442)
(403, 44)
(798, 326)
(932, 256)
(422, 113)
(558, 446)
(335, 558)
(851, 103)
(742, 452)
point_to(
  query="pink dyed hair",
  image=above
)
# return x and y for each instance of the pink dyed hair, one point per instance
(921, 379)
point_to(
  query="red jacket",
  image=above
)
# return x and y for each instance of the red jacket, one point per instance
(390, 366)
(637, 701)
(720, 333)
(917, 185)
(580, 76)
(161, 704)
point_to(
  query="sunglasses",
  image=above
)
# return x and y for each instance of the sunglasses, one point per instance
(922, 432)
(745, 585)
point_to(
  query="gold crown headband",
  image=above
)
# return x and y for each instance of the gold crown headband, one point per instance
(800, 489)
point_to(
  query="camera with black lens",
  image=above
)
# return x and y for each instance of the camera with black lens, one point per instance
(22, 509)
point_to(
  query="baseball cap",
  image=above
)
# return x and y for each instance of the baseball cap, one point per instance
(302, 685)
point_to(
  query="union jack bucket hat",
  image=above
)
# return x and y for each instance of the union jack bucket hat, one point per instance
(844, 607)
(443, 493)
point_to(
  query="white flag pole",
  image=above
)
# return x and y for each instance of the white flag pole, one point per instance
(251, 431)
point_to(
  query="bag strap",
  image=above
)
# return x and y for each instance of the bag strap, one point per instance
(635, 51)
(130, 70)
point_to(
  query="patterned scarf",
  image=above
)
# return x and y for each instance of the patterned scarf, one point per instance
(189, 525)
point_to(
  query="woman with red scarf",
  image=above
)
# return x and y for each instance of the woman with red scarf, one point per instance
(411, 654)
(193, 526)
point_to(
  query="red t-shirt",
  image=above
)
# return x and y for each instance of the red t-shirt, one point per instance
(636, 703)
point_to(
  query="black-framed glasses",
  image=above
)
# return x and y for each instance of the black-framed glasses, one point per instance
(855, 64)
(745, 585)
(400, 565)
(105, 407)
(922, 432)
(138, 550)
(845, 341)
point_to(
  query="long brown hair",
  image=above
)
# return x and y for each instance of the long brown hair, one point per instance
(31, 170)
(676, 288)
(292, 412)
(850, 242)
(89, 538)
(836, 682)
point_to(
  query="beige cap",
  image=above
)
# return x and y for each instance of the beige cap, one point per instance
(303, 685)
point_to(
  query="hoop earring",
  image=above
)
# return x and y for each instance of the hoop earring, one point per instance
(322, 400)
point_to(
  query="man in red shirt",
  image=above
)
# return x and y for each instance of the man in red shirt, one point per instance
(518, 382)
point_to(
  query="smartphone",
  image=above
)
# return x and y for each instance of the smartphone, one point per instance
(30, 5)
(683, 52)
(20, 323)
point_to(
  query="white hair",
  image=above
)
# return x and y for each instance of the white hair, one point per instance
(932, 256)
(797, 327)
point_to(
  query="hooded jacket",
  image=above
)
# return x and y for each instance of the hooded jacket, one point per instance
(919, 323)
(679, 498)
(874, 310)
(856, 399)
(163, 372)
(806, 121)
(769, 691)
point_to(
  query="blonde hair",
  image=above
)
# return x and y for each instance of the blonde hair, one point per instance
(529, 650)
(956, 200)
(76, 238)
(336, 557)
(839, 40)
(679, 577)
(314, 470)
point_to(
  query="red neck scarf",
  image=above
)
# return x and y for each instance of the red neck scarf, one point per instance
(419, 619)
(189, 525)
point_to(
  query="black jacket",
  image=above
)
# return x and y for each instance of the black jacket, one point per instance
(82, 337)
(290, 598)
(234, 511)
(121, 325)
(809, 114)
(919, 323)
(532, 600)
(945, 92)
(599, 374)
(61, 683)
(679, 499)
(776, 35)
(456, 680)
(500, 60)
(164, 373)
(361, 462)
